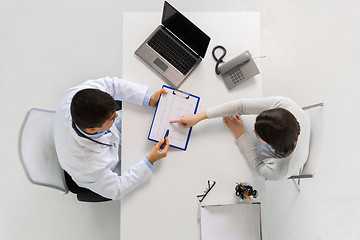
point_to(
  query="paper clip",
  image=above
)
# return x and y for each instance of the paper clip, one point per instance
(187, 96)
(210, 186)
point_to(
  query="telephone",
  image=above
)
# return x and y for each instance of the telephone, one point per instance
(237, 70)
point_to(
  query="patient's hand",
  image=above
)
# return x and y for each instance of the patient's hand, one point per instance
(189, 120)
(235, 124)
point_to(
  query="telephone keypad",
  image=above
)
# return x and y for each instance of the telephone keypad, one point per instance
(236, 75)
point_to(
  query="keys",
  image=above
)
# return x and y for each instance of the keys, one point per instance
(172, 52)
(236, 75)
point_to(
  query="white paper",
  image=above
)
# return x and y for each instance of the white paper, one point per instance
(172, 106)
(231, 222)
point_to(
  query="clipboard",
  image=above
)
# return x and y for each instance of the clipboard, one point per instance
(172, 106)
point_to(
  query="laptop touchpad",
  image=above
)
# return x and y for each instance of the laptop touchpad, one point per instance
(160, 64)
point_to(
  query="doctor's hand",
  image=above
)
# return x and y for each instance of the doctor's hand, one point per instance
(189, 120)
(235, 124)
(156, 153)
(155, 97)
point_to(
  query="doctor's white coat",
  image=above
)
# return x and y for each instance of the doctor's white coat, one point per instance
(92, 165)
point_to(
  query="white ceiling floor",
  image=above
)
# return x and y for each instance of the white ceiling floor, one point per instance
(312, 54)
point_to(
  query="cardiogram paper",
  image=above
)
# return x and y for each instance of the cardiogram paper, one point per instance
(172, 106)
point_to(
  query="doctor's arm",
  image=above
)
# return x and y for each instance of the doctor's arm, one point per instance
(141, 172)
(126, 91)
(157, 153)
(154, 99)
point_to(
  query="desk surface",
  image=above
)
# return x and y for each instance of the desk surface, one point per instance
(166, 206)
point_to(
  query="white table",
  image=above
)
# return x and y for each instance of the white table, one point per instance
(166, 207)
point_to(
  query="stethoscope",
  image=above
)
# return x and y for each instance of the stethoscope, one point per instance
(93, 140)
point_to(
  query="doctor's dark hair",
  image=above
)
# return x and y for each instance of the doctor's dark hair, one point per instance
(278, 128)
(91, 108)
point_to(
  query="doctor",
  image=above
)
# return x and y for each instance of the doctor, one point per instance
(87, 141)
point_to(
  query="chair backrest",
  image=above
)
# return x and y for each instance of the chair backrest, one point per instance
(315, 113)
(37, 149)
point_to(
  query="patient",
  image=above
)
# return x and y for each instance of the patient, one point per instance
(281, 127)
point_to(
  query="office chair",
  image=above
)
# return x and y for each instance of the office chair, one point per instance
(315, 114)
(37, 150)
(38, 156)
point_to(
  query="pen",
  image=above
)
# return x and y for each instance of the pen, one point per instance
(166, 134)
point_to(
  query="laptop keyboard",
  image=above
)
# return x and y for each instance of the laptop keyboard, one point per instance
(172, 52)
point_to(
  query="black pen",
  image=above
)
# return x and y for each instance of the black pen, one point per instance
(166, 134)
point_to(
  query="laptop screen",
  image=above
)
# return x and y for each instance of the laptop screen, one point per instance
(185, 30)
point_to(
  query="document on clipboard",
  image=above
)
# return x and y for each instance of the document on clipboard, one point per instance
(172, 106)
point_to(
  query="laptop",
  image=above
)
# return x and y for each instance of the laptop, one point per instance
(175, 48)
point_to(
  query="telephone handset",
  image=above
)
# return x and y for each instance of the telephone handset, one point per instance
(237, 69)
(237, 61)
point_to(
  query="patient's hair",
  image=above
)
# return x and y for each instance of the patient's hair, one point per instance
(279, 128)
(91, 108)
